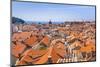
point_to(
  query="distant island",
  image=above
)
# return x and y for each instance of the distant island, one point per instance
(16, 20)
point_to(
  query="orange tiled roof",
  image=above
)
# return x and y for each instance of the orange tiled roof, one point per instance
(55, 50)
(20, 36)
(30, 41)
(17, 48)
(46, 40)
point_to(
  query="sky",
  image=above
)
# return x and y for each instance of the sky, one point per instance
(31, 11)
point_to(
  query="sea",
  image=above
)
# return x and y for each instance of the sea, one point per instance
(42, 22)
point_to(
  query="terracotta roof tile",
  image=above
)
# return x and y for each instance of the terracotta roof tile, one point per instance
(30, 41)
(17, 48)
